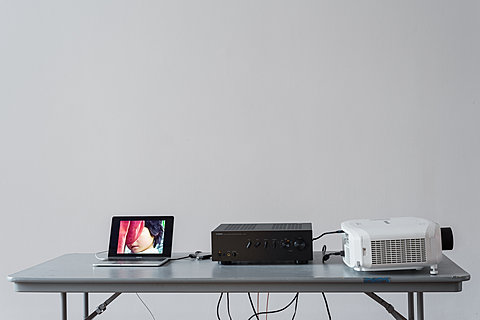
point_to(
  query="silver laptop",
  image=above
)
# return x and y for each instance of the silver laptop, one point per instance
(139, 241)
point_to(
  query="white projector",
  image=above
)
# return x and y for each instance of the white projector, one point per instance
(394, 244)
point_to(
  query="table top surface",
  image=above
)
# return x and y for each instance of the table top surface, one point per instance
(75, 272)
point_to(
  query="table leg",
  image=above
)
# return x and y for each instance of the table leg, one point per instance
(85, 305)
(411, 312)
(420, 306)
(63, 296)
(101, 308)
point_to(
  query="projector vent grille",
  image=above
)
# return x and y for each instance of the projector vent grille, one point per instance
(398, 251)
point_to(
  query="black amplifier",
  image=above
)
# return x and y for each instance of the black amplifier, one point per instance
(262, 243)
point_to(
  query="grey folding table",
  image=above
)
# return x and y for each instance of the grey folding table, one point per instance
(74, 273)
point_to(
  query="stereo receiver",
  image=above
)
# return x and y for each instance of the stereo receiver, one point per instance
(262, 243)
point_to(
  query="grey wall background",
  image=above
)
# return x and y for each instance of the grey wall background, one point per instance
(235, 111)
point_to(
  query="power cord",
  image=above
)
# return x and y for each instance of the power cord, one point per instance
(218, 306)
(138, 296)
(198, 255)
(101, 259)
(253, 307)
(326, 256)
(296, 305)
(329, 232)
(228, 305)
(179, 258)
(326, 305)
(266, 306)
(256, 314)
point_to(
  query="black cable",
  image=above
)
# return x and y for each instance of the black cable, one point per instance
(329, 232)
(195, 255)
(296, 304)
(253, 307)
(269, 312)
(199, 255)
(171, 259)
(326, 305)
(326, 256)
(218, 306)
(228, 306)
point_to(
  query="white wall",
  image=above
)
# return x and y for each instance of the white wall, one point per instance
(235, 111)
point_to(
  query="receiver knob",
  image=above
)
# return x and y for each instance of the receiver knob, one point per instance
(299, 244)
(286, 243)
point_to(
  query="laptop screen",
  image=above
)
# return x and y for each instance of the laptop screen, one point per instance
(141, 237)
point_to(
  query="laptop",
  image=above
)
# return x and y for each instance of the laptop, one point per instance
(144, 241)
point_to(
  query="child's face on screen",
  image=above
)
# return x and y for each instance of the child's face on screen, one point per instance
(144, 241)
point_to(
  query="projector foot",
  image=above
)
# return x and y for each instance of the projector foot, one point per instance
(434, 269)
